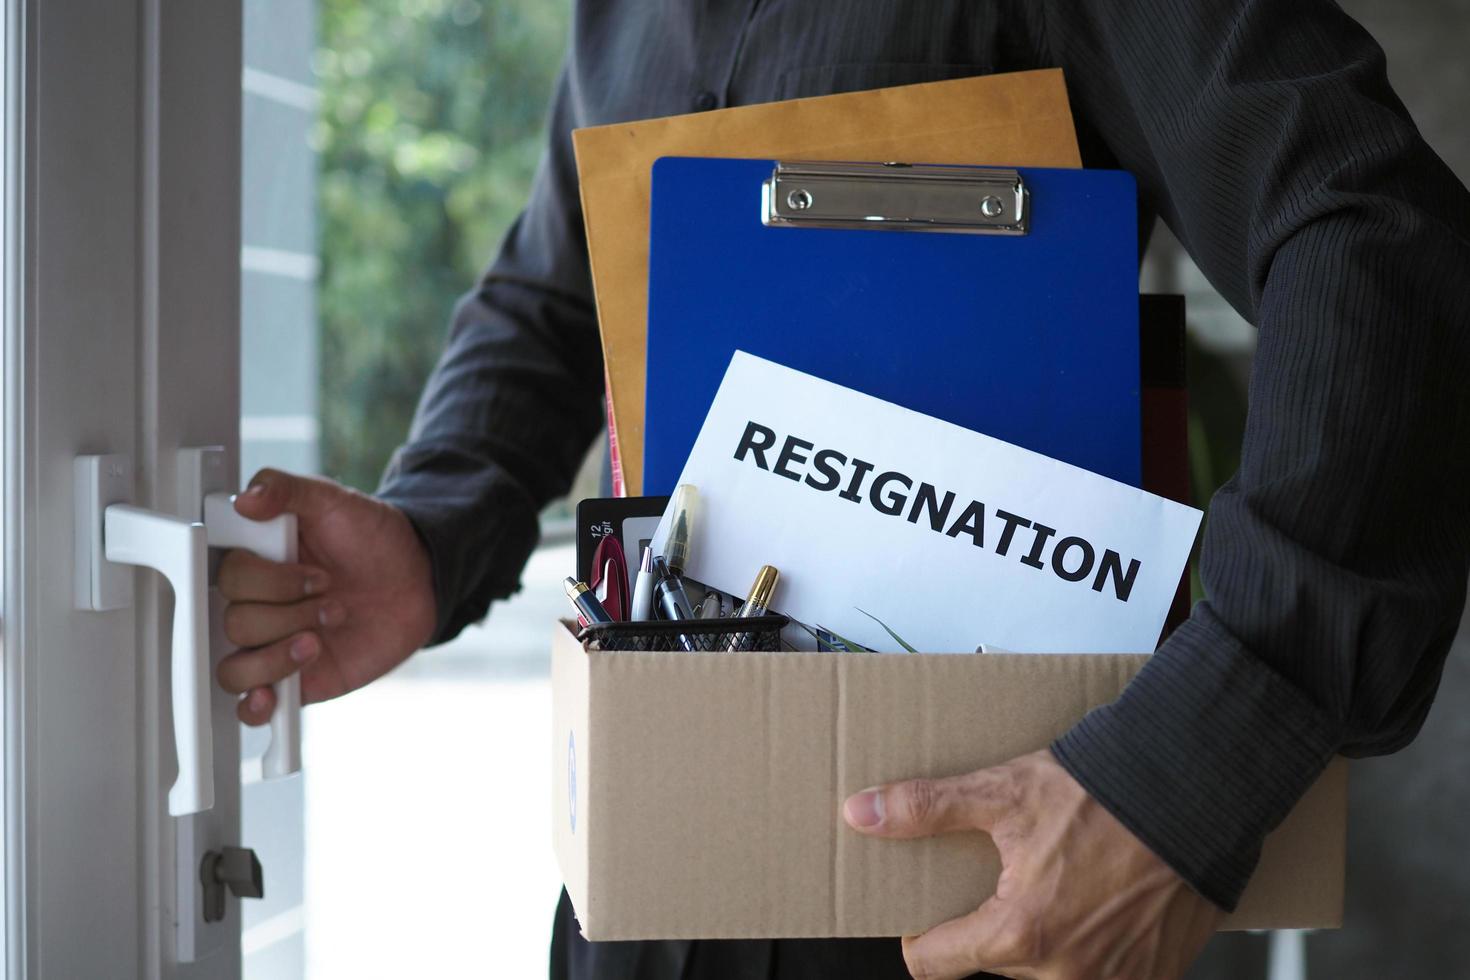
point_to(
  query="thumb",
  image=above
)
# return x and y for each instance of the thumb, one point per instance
(924, 807)
(273, 492)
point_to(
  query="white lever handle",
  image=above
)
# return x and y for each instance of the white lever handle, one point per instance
(177, 549)
(273, 540)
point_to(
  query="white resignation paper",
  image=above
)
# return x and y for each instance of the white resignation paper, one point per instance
(950, 537)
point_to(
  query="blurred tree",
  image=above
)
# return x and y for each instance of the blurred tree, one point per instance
(432, 120)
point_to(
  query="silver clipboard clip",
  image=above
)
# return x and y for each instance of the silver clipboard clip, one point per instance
(896, 196)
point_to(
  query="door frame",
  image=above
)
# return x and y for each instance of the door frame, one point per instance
(122, 175)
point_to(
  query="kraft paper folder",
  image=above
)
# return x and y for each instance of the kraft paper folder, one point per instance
(1019, 119)
(1002, 300)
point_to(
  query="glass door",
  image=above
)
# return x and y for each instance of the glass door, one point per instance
(121, 353)
(278, 372)
(428, 125)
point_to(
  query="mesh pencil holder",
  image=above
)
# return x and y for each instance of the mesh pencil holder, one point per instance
(687, 635)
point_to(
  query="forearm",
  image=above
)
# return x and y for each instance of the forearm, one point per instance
(513, 404)
(502, 427)
(1335, 561)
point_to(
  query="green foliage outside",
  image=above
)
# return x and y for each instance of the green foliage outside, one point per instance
(431, 123)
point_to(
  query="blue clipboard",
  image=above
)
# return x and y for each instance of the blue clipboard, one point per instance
(1005, 301)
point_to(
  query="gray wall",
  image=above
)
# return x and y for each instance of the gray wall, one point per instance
(1408, 907)
(278, 394)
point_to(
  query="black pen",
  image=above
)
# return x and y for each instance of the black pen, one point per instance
(671, 599)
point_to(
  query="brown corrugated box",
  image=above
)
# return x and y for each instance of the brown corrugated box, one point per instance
(699, 795)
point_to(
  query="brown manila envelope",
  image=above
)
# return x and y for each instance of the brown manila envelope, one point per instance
(1021, 119)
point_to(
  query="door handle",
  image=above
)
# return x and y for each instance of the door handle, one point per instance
(111, 533)
(273, 540)
(176, 549)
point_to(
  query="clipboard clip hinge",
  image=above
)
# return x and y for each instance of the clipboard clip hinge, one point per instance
(896, 196)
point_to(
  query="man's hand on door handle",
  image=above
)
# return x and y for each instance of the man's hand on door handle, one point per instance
(359, 602)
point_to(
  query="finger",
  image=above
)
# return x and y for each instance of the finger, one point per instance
(921, 807)
(274, 492)
(963, 946)
(244, 575)
(241, 671)
(255, 707)
(254, 624)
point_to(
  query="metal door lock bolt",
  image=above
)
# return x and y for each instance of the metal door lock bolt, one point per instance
(235, 868)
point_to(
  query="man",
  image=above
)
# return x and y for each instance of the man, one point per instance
(1335, 561)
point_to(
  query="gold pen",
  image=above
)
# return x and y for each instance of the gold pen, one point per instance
(756, 603)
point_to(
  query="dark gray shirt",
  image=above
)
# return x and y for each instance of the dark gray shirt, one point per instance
(1267, 137)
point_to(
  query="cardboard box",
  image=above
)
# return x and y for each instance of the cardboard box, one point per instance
(699, 795)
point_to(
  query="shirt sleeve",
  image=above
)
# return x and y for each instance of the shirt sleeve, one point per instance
(1334, 562)
(512, 405)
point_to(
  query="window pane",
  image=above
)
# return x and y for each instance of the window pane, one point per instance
(388, 144)
(278, 404)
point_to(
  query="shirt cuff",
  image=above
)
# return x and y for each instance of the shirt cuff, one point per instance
(1205, 752)
(477, 523)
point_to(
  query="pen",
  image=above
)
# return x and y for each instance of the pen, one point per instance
(586, 603)
(756, 603)
(759, 599)
(642, 605)
(684, 506)
(672, 600)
